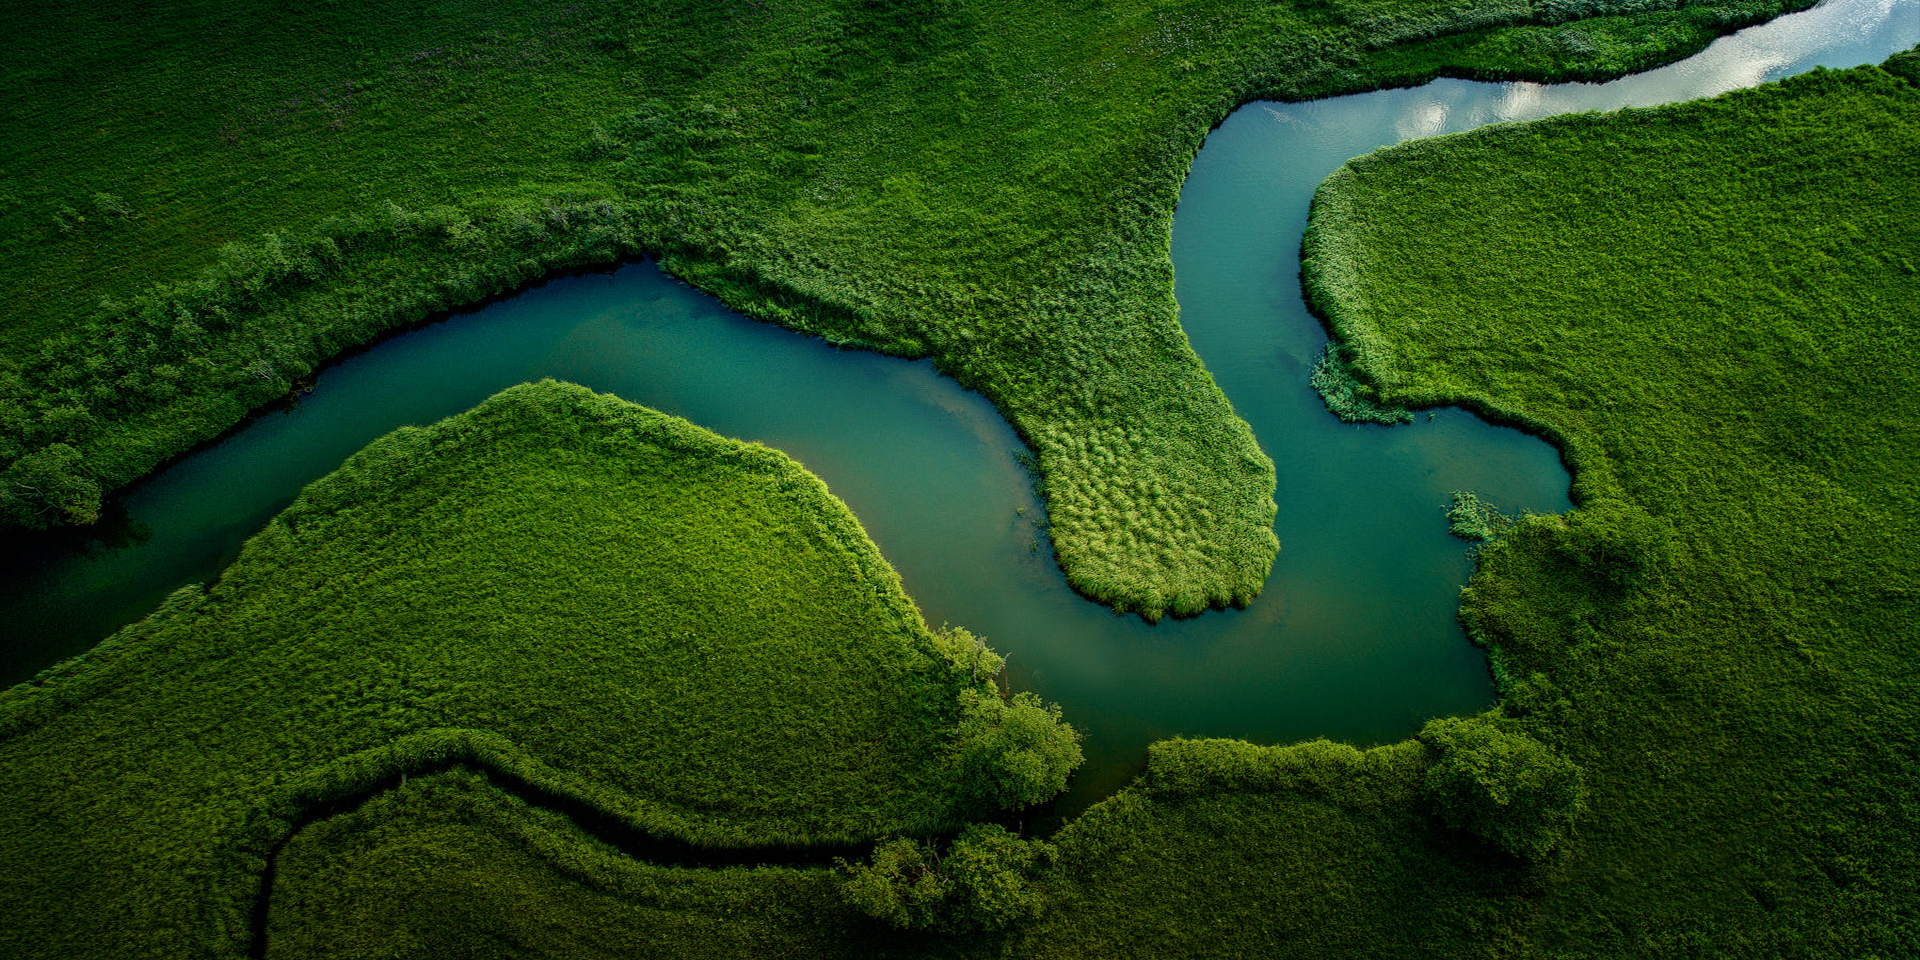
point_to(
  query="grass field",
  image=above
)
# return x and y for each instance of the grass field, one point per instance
(447, 866)
(685, 636)
(481, 691)
(206, 202)
(1712, 307)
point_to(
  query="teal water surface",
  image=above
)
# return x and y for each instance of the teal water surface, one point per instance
(1354, 637)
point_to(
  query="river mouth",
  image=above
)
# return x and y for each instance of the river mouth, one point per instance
(1354, 636)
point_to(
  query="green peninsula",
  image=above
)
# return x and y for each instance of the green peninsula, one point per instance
(1711, 307)
(683, 635)
(209, 203)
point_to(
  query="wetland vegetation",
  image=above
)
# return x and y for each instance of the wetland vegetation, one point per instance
(1711, 306)
(989, 184)
(564, 676)
(686, 634)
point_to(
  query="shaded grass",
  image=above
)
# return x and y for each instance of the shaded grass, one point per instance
(1222, 849)
(990, 184)
(685, 633)
(1712, 306)
(448, 866)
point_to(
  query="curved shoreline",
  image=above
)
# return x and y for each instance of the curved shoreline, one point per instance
(631, 840)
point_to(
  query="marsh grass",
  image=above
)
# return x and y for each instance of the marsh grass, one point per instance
(1712, 304)
(989, 184)
(685, 633)
(1347, 397)
(1471, 518)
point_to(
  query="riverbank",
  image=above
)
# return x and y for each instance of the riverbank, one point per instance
(685, 634)
(987, 185)
(1722, 635)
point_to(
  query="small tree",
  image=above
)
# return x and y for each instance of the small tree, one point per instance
(992, 871)
(1012, 753)
(983, 883)
(1503, 786)
(43, 487)
(898, 885)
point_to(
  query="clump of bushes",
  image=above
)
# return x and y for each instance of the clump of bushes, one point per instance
(967, 653)
(105, 400)
(984, 882)
(1013, 752)
(48, 487)
(1471, 518)
(1347, 397)
(1503, 786)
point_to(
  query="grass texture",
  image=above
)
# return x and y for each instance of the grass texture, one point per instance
(1222, 849)
(209, 200)
(1712, 307)
(448, 866)
(685, 635)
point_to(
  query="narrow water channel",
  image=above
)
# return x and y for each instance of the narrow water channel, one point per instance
(1354, 637)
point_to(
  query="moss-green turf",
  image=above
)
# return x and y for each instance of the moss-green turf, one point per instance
(1712, 306)
(207, 200)
(685, 634)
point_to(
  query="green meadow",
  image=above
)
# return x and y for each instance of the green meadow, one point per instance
(1711, 307)
(207, 203)
(615, 612)
(563, 676)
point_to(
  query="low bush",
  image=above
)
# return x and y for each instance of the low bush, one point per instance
(1503, 786)
(1012, 752)
(982, 882)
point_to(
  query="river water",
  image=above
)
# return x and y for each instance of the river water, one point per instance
(1354, 636)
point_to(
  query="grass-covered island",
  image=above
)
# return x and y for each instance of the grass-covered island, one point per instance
(206, 201)
(1714, 307)
(557, 601)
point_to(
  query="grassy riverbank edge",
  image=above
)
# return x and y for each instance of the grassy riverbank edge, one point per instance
(1719, 628)
(537, 589)
(1160, 500)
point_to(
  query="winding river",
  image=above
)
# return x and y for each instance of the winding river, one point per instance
(1354, 637)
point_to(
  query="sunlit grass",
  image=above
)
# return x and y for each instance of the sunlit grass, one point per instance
(990, 184)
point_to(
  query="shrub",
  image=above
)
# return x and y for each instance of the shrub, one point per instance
(1503, 786)
(48, 486)
(1471, 518)
(983, 883)
(991, 870)
(900, 885)
(1012, 753)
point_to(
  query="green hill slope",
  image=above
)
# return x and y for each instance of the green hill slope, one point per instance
(685, 635)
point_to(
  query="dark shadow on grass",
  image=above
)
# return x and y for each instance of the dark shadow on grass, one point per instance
(630, 840)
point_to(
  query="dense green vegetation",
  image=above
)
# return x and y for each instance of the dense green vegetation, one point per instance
(448, 866)
(1712, 307)
(686, 635)
(983, 881)
(1222, 849)
(208, 200)
(429, 688)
